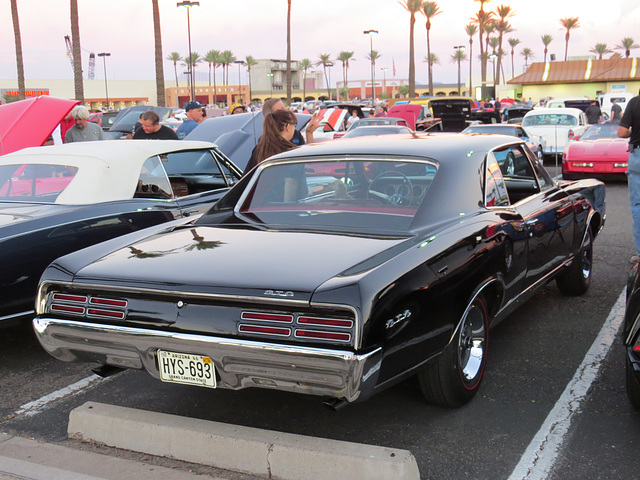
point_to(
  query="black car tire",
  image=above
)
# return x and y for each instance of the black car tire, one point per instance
(575, 280)
(633, 387)
(453, 378)
(540, 155)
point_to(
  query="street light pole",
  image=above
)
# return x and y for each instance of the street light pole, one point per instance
(270, 75)
(373, 82)
(104, 62)
(384, 79)
(239, 62)
(187, 3)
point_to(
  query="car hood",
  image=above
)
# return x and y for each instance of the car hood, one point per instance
(221, 261)
(600, 149)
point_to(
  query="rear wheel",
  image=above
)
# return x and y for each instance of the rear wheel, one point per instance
(633, 387)
(576, 279)
(452, 379)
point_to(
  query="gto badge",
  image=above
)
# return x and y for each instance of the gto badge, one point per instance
(279, 293)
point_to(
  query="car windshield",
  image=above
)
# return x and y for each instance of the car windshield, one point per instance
(546, 119)
(377, 130)
(34, 182)
(603, 130)
(360, 195)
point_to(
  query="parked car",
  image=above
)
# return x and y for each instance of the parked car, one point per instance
(126, 119)
(366, 122)
(333, 285)
(534, 142)
(515, 113)
(599, 152)
(377, 130)
(631, 337)
(414, 114)
(557, 126)
(58, 199)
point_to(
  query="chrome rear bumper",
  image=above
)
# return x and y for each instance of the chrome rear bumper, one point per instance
(239, 363)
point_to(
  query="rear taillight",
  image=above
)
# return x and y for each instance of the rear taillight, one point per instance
(88, 306)
(571, 134)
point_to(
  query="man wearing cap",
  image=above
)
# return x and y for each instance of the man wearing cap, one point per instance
(152, 129)
(195, 116)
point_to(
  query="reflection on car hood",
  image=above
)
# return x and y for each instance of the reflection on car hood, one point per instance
(13, 213)
(214, 260)
(600, 149)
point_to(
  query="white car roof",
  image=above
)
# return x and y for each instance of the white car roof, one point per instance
(554, 110)
(108, 170)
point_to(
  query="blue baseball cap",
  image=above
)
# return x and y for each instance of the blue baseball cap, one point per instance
(191, 105)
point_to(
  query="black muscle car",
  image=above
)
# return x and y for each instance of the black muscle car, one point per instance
(58, 199)
(335, 269)
(631, 337)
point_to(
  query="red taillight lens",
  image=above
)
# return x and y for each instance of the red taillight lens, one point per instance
(108, 301)
(340, 337)
(285, 332)
(571, 134)
(267, 317)
(62, 297)
(326, 322)
(67, 309)
(105, 313)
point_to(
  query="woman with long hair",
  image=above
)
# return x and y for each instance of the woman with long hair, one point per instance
(277, 131)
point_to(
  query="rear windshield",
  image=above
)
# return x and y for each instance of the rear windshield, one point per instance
(34, 182)
(550, 119)
(361, 195)
(604, 130)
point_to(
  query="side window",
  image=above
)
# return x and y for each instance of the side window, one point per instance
(231, 178)
(517, 170)
(495, 189)
(153, 181)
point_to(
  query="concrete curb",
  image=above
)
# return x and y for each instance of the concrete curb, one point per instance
(249, 450)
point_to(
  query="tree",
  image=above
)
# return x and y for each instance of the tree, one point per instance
(502, 26)
(546, 40)
(325, 61)
(430, 9)
(413, 7)
(77, 52)
(157, 37)
(190, 64)
(471, 29)
(226, 58)
(18, 41)
(249, 61)
(513, 43)
(403, 90)
(458, 57)
(288, 76)
(482, 18)
(601, 49)
(305, 64)
(431, 60)
(627, 44)
(493, 43)
(211, 58)
(345, 57)
(568, 24)
(527, 53)
(175, 57)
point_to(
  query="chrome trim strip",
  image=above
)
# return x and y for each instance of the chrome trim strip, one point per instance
(18, 315)
(239, 363)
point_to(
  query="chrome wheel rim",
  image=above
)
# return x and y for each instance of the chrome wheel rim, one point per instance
(473, 344)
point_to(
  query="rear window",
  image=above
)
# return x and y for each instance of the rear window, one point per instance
(361, 195)
(549, 119)
(34, 182)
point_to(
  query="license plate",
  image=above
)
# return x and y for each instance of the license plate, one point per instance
(186, 368)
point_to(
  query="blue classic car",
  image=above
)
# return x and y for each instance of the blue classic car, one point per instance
(335, 270)
(58, 199)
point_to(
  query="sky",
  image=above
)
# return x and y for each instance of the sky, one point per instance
(124, 28)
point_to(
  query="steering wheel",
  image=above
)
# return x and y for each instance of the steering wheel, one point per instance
(402, 196)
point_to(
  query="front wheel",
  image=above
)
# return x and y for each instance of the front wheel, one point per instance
(576, 279)
(452, 379)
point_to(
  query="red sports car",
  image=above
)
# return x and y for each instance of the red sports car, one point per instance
(598, 153)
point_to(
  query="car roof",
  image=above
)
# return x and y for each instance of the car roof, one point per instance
(108, 170)
(554, 111)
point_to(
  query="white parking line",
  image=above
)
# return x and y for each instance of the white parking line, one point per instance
(542, 453)
(33, 408)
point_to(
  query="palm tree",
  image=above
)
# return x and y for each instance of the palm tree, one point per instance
(211, 58)
(344, 57)
(190, 64)
(568, 23)
(77, 52)
(249, 61)
(157, 36)
(18, 40)
(458, 57)
(481, 19)
(430, 9)
(527, 53)
(471, 29)
(305, 64)
(502, 26)
(325, 61)
(546, 40)
(627, 44)
(226, 58)
(513, 43)
(432, 59)
(288, 77)
(601, 49)
(175, 57)
(413, 7)
(493, 43)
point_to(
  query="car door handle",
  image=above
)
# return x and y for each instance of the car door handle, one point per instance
(533, 221)
(188, 213)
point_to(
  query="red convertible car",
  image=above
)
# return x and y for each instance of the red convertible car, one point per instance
(598, 153)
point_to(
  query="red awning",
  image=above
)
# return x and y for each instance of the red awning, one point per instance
(28, 123)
